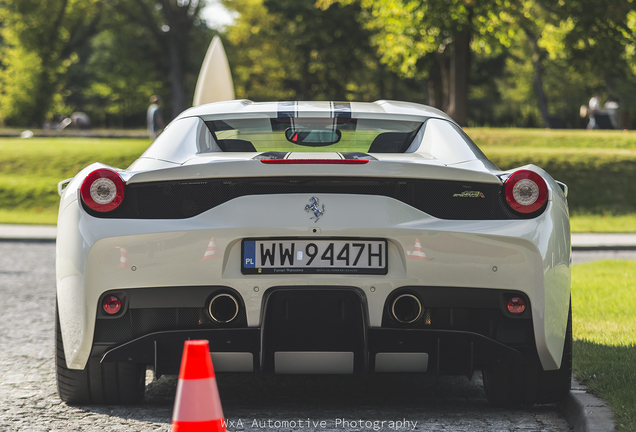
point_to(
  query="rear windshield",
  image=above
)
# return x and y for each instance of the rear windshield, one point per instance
(313, 135)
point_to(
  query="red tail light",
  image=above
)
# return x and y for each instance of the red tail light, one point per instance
(315, 161)
(103, 190)
(526, 191)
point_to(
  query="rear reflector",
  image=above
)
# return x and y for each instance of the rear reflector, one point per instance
(516, 306)
(314, 161)
(111, 305)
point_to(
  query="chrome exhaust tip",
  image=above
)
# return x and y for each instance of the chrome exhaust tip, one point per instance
(223, 308)
(406, 309)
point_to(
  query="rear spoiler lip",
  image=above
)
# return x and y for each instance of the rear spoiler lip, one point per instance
(254, 168)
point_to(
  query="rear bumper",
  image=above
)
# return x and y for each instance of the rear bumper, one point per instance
(97, 256)
(325, 330)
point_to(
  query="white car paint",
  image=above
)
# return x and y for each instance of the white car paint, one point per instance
(529, 255)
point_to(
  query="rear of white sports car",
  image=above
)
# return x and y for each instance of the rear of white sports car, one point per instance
(314, 238)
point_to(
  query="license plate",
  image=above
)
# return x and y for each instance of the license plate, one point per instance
(295, 256)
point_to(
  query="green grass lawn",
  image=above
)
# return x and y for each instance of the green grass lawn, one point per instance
(590, 223)
(604, 326)
(598, 166)
(553, 138)
(31, 169)
(64, 157)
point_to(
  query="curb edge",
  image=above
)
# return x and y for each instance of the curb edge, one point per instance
(585, 412)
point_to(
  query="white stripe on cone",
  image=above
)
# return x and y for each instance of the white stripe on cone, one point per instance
(202, 402)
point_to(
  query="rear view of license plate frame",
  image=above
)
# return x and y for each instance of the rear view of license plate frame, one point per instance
(314, 256)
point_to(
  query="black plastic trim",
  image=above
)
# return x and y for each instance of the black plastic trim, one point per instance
(330, 318)
(443, 199)
(163, 350)
(314, 318)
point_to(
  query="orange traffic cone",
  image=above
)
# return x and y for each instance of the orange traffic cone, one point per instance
(197, 406)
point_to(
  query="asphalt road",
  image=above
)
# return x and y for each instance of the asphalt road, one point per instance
(29, 402)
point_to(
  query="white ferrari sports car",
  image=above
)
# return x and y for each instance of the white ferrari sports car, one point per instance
(314, 238)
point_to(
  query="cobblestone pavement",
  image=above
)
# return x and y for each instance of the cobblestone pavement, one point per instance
(29, 402)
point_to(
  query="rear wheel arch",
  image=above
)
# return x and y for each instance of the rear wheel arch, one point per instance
(97, 383)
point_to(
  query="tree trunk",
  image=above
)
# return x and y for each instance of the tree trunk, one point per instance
(303, 84)
(537, 77)
(443, 89)
(176, 75)
(43, 96)
(537, 81)
(42, 99)
(436, 87)
(460, 65)
(382, 77)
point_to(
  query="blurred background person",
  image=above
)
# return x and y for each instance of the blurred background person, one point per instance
(154, 117)
(594, 107)
(80, 120)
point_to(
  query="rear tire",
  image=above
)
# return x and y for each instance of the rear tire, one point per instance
(510, 383)
(97, 383)
(554, 386)
(505, 383)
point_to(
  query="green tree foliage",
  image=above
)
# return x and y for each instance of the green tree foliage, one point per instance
(408, 31)
(515, 34)
(259, 62)
(180, 35)
(592, 37)
(485, 62)
(597, 32)
(630, 47)
(597, 38)
(104, 57)
(532, 88)
(289, 49)
(115, 76)
(40, 40)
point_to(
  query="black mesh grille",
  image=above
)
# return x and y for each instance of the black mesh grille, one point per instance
(151, 320)
(188, 198)
(113, 330)
(487, 322)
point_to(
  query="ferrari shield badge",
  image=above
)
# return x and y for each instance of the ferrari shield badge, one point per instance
(312, 207)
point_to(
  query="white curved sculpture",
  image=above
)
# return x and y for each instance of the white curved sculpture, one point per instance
(215, 80)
